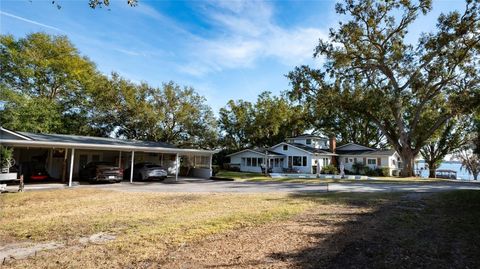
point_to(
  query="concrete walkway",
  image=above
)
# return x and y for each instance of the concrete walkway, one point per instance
(205, 186)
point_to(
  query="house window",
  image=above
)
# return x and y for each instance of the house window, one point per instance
(325, 161)
(249, 161)
(351, 160)
(285, 147)
(346, 160)
(297, 160)
(260, 161)
(308, 141)
(372, 161)
(254, 161)
(393, 162)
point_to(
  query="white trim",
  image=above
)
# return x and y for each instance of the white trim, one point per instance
(50, 144)
(15, 134)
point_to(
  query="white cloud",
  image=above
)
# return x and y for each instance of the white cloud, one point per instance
(246, 34)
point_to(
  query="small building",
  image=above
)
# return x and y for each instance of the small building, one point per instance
(64, 155)
(352, 153)
(308, 154)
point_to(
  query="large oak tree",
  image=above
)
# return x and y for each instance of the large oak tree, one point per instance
(409, 91)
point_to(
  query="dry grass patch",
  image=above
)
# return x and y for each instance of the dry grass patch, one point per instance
(145, 223)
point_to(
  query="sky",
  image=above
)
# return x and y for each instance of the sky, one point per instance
(226, 50)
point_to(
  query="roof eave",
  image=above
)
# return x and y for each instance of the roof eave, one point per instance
(50, 144)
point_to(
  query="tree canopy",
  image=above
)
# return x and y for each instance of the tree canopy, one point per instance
(47, 86)
(46, 83)
(264, 123)
(408, 91)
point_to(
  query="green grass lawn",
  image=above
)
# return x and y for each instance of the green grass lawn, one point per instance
(258, 177)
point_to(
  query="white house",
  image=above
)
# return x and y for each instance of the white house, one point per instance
(308, 154)
(303, 154)
(373, 158)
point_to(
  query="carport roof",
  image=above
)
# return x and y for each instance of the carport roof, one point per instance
(25, 139)
(94, 140)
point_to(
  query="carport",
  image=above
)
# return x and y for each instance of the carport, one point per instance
(64, 155)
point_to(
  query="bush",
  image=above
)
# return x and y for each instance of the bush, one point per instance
(329, 169)
(386, 172)
(377, 172)
(359, 168)
(215, 169)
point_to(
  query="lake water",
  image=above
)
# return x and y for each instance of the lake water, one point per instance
(462, 173)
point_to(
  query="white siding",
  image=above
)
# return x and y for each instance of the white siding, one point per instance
(240, 159)
(292, 151)
(386, 161)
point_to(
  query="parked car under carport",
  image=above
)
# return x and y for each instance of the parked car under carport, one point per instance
(146, 171)
(101, 172)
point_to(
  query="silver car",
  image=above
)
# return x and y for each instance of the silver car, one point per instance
(145, 171)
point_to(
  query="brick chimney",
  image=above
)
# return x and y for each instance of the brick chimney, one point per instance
(333, 144)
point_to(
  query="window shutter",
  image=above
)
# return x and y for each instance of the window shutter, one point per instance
(379, 161)
(364, 160)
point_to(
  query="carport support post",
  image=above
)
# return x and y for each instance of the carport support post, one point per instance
(177, 166)
(120, 159)
(131, 166)
(211, 171)
(72, 157)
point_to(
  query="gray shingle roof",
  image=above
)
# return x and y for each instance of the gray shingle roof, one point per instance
(387, 152)
(78, 139)
(262, 151)
(310, 149)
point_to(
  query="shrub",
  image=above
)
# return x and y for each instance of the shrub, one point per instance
(329, 169)
(359, 168)
(373, 172)
(386, 172)
(215, 169)
(228, 167)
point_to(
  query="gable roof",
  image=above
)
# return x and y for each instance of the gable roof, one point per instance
(353, 145)
(12, 134)
(260, 151)
(306, 148)
(308, 136)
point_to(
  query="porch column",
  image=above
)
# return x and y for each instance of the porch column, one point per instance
(72, 159)
(120, 160)
(177, 167)
(318, 167)
(211, 171)
(131, 166)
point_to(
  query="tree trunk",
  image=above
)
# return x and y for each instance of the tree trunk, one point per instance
(431, 173)
(408, 158)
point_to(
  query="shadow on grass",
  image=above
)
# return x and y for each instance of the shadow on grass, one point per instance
(403, 231)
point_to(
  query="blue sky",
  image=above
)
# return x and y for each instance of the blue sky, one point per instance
(224, 49)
